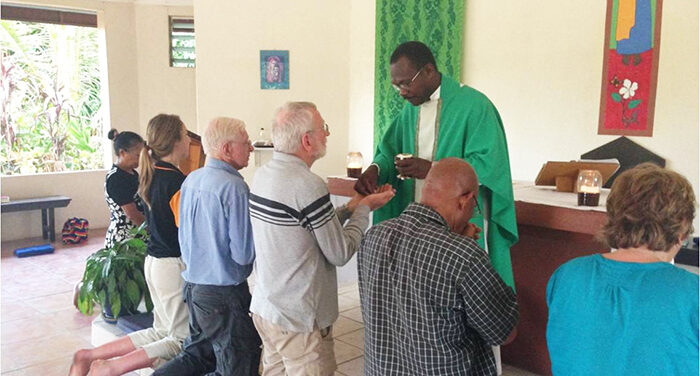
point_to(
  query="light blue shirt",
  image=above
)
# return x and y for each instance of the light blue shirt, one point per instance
(609, 317)
(216, 239)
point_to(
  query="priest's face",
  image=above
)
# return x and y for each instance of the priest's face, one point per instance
(414, 84)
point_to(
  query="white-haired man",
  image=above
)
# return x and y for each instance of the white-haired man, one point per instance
(300, 241)
(217, 247)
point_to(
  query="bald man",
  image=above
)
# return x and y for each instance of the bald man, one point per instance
(431, 301)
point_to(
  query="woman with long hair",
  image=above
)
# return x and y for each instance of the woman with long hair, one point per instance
(630, 311)
(121, 184)
(159, 185)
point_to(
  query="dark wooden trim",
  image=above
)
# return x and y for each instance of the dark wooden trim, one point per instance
(558, 218)
(48, 15)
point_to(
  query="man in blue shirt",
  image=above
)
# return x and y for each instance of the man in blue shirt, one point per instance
(216, 241)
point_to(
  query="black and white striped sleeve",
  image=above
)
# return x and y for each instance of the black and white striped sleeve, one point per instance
(337, 243)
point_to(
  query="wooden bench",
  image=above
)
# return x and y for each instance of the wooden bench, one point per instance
(46, 205)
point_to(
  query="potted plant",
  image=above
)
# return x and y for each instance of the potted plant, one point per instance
(114, 278)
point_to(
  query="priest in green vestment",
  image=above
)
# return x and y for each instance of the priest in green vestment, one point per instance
(445, 119)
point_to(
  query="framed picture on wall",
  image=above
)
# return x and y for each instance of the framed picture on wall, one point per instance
(630, 66)
(274, 69)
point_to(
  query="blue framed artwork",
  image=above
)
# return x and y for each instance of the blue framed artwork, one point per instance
(274, 69)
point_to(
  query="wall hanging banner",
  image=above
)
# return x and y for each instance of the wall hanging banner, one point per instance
(630, 66)
(437, 23)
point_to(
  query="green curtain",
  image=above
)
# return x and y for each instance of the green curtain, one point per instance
(437, 23)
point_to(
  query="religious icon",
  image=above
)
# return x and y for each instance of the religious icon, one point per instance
(630, 67)
(274, 69)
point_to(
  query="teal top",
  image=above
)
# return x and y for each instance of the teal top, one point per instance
(609, 317)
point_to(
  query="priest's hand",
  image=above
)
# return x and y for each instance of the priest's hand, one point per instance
(413, 167)
(472, 231)
(367, 183)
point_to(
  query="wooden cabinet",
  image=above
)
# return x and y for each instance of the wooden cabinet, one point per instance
(196, 158)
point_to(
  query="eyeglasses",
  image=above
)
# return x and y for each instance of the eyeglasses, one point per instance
(476, 203)
(406, 86)
(325, 129)
(248, 142)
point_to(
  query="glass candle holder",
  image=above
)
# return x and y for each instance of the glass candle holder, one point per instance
(588, 187)
(354, 164)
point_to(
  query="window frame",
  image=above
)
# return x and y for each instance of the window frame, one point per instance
(172, 20)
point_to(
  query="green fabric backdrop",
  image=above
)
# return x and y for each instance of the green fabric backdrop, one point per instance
(437, 23)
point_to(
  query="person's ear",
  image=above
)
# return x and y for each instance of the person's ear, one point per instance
(227, 148)
(306, 142)
(430, 69)
(467, 199)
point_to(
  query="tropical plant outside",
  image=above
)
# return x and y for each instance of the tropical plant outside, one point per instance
(51, 116)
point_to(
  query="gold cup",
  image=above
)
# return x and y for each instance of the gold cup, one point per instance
(400, 157)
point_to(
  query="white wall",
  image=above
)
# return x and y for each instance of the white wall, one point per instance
(361, 59)
(229, 38)
(140, 84)
(162, 88)
(541, 63)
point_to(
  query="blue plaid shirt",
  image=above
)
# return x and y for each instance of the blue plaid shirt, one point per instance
(431, 302)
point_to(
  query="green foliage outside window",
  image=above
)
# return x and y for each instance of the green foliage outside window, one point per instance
(51, 117)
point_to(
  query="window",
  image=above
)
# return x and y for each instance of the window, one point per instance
(182, 42)
(51, 117)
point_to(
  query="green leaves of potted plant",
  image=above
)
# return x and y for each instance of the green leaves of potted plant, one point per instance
(114, 278)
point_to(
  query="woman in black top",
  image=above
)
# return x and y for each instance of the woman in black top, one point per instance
(159, 186)
(121, 184)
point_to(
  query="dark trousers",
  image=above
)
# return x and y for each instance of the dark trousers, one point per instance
(223, 339)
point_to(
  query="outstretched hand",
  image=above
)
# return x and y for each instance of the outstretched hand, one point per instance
(376, 200)
(367, 183)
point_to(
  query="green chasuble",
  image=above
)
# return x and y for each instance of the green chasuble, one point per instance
(468, 126)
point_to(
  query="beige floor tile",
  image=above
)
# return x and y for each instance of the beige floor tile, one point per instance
(353, 314)
(345, 352)
(58, 367)
(71, 318)
(350, 291)
(16, 310)
(40, 350)
(344, 325)
(33, 327)
(355, 367)
(356, 338)
(52, 303)
(345, 303)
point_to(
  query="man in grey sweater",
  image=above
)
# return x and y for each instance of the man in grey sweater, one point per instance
(299, 242)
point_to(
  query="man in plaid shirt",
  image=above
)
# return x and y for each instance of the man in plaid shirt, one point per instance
(431, 302)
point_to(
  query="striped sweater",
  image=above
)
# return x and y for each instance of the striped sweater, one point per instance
(299, 241)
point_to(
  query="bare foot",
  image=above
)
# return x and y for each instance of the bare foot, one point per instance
(81, 363)
(101, 368)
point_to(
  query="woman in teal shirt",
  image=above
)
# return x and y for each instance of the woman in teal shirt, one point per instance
(630, 312)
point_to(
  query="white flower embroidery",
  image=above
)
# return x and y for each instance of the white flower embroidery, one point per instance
(628, 88)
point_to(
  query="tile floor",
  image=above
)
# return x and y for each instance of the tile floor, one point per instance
(41, 329)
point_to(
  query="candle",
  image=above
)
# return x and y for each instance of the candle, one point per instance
(354, 164)
(588, 187)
